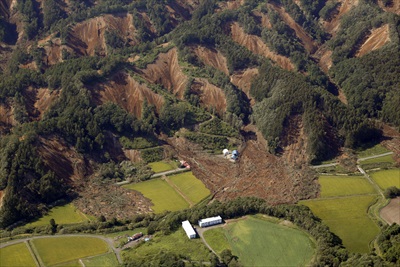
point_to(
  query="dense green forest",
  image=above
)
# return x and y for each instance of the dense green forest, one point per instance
(370, 84)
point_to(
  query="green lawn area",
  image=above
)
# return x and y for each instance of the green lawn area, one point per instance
(162, 166)
(59, 250)
(176, 242)
(259, 242)
(163, 196)
(106, 260)
(347, 217)
(387, 158)
(387, 178)
(344, 185)
(67, 214)
(190, 186)
(217, 240)
(74, 263)
(16, 255)
(375, 150)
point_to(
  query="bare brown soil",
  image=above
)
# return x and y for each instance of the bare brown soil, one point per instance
(376, 40)
(391, 213)
(211, 57)
(256, 173)
(243, 79)
(133, 155)
(342, 97)
(262, 19)
(306, 40)
(333, 25)
(211, 96)
(394, 8)
(44, 99)
(324, 56)
(88, 37)
(257, 46)
(167, 72)
(126, 92)
(1, 198)
(53, 50)
(230, 5)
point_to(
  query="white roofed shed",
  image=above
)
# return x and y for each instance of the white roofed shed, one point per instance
(190, 232)
(210, 221)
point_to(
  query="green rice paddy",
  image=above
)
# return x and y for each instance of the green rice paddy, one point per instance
(67, 214)
(190, 186)
(59, 250)
(162, 166)
(163, 196)
(344, 185)
(259, 242)
(16, 255)
(106, 260)
(387, 178)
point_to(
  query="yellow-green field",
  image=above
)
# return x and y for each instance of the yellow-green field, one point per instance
(258, 242)
(344, 185)
(387, 178)
(162, 166)
(59, 250)
(387, 158)
(67, 214)
(163, 196)
(375, 150)
(347, 217)
(16, 255)
(190, 186)
(176, 242)
(106, 260)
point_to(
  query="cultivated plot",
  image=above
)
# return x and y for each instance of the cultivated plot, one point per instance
(347, 217)
(106, 260)
(387, 178)
(54, 251)
(67, 214)
(344, 185)
(259, 242)
(190, 186)
(162, 166)
(161, 194)
(217, 239)
(16, 255)
(177, 243)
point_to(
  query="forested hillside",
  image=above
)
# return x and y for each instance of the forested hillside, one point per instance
(91, 90)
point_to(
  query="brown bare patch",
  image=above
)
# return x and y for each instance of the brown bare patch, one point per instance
(342, 97)
(257, 46)
(44, 98)
(324, 56)
(262, 19)
(230, 5)
(133, 155)
(212, 57)
(88, 38)
(394, 8)
(126, 92)
(6, 115)
(306, 40)
(211, 96)
(391, 213)
(1, 198)
(167, 72)
(391, 140)
(333, 25)
(243, 79)
(295, 141)
(376, 40)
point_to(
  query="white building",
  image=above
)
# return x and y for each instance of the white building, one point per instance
(189, 229)
(210, 221)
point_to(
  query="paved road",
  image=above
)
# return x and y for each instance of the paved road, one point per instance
(109, 241)
(361, 159)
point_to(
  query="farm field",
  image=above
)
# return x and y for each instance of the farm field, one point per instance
(347, 217)
(106, 260)
(190, 186)
(217, 240)
(344, 185)
(67, 214)
(386, 178)
(258, 242)
(176, 242)
(162, 166)
(54, 251)
(163, 196)
(387, 158)
(16, 255)
(375, 150)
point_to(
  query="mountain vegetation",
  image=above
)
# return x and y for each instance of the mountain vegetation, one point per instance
(56, 58)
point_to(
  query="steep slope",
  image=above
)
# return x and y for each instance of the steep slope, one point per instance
(211, 97)
(212, 57)
(392, 6)
(257, 46)
(376, 39)
(126, 92)
(333, 25)
(243, 80)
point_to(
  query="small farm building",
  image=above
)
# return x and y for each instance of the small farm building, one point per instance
(225, 152)
(210, 221)
(235, 154)
(189, 229)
